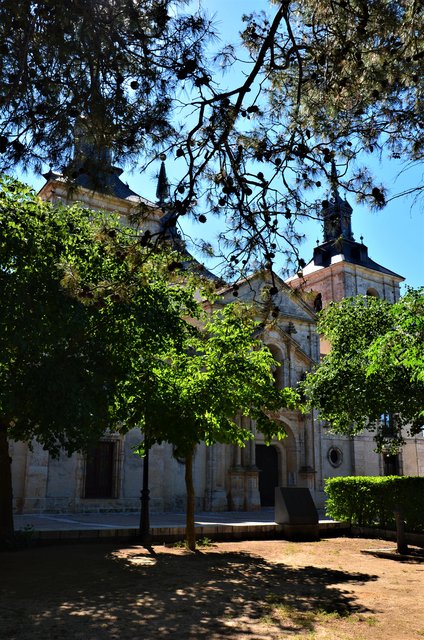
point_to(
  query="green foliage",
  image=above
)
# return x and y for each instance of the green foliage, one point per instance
(84, 306)
(370, 501)
(403, 345)
(374, 368)
(205, 542)
(203, 387)
(55, 373)
(202, 542)
(88, 311)
(95, 333)
(218, 374)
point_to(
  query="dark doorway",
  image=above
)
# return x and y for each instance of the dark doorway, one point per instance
(391, 464)
(267, 463)
(99, 472)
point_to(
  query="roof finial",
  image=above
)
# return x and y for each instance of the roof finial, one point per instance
(337, 213)
(162, 190)
(334, 179)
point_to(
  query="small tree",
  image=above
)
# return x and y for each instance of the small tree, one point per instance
(373, 377)
(220, 372)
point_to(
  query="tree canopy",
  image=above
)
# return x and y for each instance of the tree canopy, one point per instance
(373, 376)
(112, 64)
(221, 371)
(52, 366)
(78, 292)
(55, 377)
(318, 82)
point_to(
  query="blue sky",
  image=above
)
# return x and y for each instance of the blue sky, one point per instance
(394, 236)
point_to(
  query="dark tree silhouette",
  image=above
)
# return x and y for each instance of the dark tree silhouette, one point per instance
(318, 83)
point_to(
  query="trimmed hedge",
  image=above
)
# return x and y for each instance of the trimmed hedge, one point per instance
(369, 501)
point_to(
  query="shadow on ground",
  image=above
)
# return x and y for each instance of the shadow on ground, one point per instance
(96, 592)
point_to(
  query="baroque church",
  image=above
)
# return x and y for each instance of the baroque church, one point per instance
(226, 477)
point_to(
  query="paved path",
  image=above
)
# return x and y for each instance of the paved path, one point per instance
(78, 521)
(164, 527)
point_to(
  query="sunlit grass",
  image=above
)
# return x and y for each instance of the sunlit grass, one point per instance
(308, 620)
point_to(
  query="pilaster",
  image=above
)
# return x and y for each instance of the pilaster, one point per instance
(37, 470)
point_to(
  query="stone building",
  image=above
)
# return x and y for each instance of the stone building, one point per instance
(225, 477)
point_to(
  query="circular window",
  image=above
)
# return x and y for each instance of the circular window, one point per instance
(335, 456)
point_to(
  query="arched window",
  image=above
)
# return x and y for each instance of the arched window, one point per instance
(373, 293)
(318, 303)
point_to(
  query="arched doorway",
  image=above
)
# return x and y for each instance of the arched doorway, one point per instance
(267, 463)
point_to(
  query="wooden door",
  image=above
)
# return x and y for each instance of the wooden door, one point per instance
(99, 474)
(267, 462)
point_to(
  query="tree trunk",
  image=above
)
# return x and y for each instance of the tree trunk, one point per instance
(6, 495)
(402, 547)
(190, 532)
(145, 536)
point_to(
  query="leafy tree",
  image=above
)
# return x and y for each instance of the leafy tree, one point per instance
(220, 373)
(363, 67)
(402, 345)
(52, 367)
(74, 289)
(373, 376)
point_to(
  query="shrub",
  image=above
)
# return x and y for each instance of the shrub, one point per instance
(371, 500)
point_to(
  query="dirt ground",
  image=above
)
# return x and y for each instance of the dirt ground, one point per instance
(324, 590)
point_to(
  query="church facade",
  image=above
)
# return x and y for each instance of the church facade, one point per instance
(227, 477)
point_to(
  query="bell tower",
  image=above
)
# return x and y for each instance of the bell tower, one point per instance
(340, 266)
